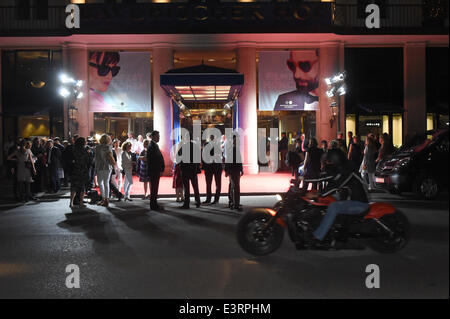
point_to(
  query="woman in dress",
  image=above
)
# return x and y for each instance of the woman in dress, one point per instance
(386, 148)
(80, 171)
(312, 164)
(368, 164)
(25, 169)
(117, 151)
(142, 169)
(355, 152)
(127, 167)
(177, 183)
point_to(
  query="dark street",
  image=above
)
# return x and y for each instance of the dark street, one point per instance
(128, 251)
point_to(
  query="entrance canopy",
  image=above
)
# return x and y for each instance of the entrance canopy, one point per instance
(202, 83)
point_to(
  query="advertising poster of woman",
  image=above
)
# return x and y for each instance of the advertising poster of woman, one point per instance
(119, 81)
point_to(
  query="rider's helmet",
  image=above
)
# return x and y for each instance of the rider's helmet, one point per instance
(335, 159)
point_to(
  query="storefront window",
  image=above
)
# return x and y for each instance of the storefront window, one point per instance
(370, 124)
(430, 121)
(350, 125)
(397, 130)
(31, 90)
(119, 124)
(386, 124)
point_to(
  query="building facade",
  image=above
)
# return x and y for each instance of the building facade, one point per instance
(275, 46)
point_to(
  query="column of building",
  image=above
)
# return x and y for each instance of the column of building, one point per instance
(248, 116)
(76, 65)
(162, 108)
(329, 65)
(415, 115)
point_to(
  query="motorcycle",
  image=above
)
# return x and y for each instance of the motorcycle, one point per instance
(382, 227)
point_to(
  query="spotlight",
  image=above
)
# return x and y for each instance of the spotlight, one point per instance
(64, 92)
(80, 95)
(79, 83)
(342, 90)
(66, 79)
(338, 78)
(330, 93)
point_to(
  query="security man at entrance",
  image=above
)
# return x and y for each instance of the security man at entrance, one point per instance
(189, 170)
(234, 169)
(213, 168)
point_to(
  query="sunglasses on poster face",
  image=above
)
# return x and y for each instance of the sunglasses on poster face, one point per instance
(305, 66)
(103, 70)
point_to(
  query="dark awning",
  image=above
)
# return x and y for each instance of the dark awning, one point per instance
(380, 108)
(202, 83)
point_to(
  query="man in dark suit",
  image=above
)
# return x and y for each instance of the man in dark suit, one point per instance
(189, 171)
(155, 166)
(234, 169)
(54, 164)
(213, 168)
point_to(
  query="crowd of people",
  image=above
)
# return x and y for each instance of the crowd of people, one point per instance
(310, 156)
(85, 164)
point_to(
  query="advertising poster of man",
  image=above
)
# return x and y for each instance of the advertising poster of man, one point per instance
(289, 80)
(119, 81)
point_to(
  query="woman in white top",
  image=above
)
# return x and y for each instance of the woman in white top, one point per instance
(118, 180)
(25, 169)
(104, 164)
(127, 166)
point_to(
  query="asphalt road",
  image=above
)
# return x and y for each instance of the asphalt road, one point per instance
(127, 251)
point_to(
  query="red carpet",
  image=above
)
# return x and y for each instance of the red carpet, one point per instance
(261, 183)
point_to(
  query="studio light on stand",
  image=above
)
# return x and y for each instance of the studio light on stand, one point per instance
(71, 91)
(337, 88)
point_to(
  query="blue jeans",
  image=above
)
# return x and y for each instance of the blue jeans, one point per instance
(342, 207)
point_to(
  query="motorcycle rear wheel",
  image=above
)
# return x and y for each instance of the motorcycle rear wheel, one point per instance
(253, 240)
(401, 227)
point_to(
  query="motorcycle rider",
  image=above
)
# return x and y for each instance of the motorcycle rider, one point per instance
(346, 185)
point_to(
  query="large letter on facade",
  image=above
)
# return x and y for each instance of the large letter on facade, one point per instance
(73, 19)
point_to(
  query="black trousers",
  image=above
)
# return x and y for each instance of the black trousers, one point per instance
(217, 174)
(54, 179)
(154, 186)
(186, 176)
(234, 188)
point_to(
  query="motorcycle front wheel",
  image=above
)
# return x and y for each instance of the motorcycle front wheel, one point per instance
(256, 241)
(401, 228)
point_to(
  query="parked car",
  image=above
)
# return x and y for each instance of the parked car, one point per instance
(421, 166)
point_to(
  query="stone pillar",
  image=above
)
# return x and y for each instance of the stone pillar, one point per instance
(162, 108)
(77, 67)
(329, 65)
(248, 115)
(414, 61)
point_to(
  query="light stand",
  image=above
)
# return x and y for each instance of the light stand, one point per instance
(337, 88)
(71, 91)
